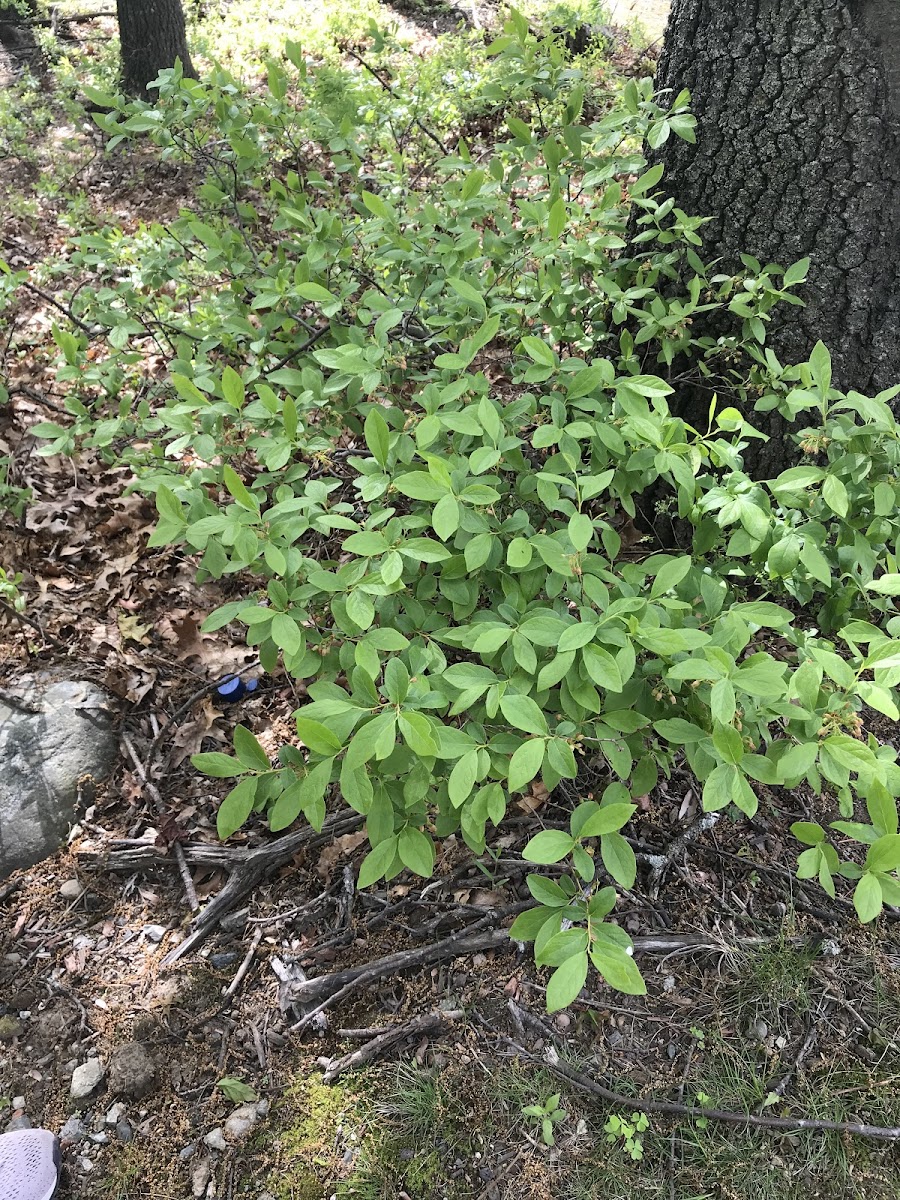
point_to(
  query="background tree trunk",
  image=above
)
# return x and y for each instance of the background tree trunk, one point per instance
(151, 34)
(798, 154)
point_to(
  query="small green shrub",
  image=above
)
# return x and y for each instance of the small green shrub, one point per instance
(422, 410)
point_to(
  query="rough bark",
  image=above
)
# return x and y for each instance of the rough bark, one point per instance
(798, 154)
(152, 36)
(16, 34)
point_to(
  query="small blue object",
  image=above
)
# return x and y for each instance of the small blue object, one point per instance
(233, 688)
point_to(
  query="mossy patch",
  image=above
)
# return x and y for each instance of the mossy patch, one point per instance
(313, 1133)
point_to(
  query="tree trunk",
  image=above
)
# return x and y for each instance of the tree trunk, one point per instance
(16, 34)
(798, 154)
(151, 35)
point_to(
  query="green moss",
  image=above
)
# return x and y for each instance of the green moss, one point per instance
(308, 1159)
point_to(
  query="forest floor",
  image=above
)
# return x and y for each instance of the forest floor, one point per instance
(764, 996)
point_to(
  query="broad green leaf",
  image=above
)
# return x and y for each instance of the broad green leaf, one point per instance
(249, 751)
(220, 766)
(618, 968)
(525, 764)
(566, 982)
(318, 737)
(549, 846)
(416, 851)
(867, 899)
(618, 858)
(236, 807)
(523, 713)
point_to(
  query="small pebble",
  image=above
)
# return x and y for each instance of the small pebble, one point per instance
(224, 959)
(100, 1139)
(200, 1178)
(18, 1102)
(85, 1164)
(86, 1079)
(20, 1122)
(71, 890)
(124, 1132)
(563, 1020)
(215, 1139)
(241, 1121)
(187, 1152)
(116, 1113)
(154, 933)
(73, 1130)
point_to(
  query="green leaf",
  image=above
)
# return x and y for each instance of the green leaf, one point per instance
(525, 764)
(618, 968)
(728, 743)
(884, 855)
(719, 787)
(318, 737)
(885, 585)
(377, 862)
(236, 807)
(556, 219)
(286, 633)
(220, 766)
(618, 858)
(233, 387)
(378, 436)
(549, 846)
(580, 531)
(867, 899)
(763, 613)
(462, 778)
(527, 925)
(445, 518)
(523, 713)
(669, 575)
(547, 892)
(417, 734)
(566, 982)
(835, 495)
(249, 751)
(808, 832)
(609, 818)
(237, 489)
(315, 292)
(679, 731)
(419, 485)
(602, 668)
(236, 1090)
(538, 351)
(416, 851)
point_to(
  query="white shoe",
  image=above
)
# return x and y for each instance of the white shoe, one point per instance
(29, 1164)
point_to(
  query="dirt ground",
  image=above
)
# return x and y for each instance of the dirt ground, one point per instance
(764, 997)
(652, 14)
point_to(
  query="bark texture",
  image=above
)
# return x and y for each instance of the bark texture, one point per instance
(151, 34)
(798, 154)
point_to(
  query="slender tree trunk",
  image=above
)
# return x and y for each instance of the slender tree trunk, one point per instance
(151, 34)
(798, 154)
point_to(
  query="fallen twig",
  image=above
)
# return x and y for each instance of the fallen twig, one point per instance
(48, 637)
(384, 1040)
(325, 990)
(186, 880)
(674, 1108)
(245, 966)
(250, 867)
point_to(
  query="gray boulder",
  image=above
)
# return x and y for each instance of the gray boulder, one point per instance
(53, 738)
